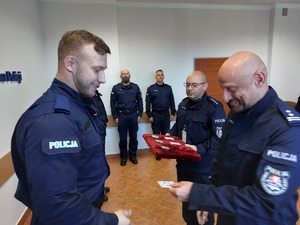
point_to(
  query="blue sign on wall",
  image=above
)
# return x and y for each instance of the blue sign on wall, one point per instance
(13, 76)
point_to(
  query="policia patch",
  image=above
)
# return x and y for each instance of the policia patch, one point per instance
(273, 181)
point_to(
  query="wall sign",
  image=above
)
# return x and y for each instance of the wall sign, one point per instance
(12, 76)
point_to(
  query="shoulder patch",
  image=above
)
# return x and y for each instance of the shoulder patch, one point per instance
(219, 132)
(291, 115)
(274, 181)
(62, 104)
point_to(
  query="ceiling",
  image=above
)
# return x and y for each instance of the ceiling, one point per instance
(209, 2)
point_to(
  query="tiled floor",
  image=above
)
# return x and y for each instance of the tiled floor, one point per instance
(135, 187)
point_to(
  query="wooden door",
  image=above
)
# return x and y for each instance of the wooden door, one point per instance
(211, 66)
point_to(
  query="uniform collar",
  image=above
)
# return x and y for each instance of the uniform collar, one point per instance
(195, 104)
(68, 92)
(160, 85)
(262, 104)
(126, 86)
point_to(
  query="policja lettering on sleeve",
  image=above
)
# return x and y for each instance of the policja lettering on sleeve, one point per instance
(64, 145)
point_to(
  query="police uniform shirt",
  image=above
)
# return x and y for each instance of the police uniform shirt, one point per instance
(126, 99)
(160, 98)
(59, 160)
(202, 122)
(257, 168)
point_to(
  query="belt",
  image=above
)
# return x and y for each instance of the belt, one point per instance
(127, 111)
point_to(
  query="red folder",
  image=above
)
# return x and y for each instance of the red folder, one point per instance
(170, 147)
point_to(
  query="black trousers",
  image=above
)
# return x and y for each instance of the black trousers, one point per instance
(161, 122)
(127, 123)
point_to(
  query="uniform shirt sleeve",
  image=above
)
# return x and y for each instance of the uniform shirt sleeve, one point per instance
(217, 120)
(139, 102)
(52, 168)
(113, 102)
(172, 102)
(272, 193)
(174, 130)
(148, 103)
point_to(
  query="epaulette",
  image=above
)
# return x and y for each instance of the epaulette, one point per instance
(290, 114)
(214, 101)
(62, 104)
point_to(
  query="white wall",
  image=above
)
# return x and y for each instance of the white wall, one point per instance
(142, 39)
(21, 50)
(285, 73)
(101, 19)
(170, 38)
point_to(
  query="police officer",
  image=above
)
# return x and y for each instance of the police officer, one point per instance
(127, 108)
(256, 173)
(56, 147)
(199, 123)
(159, 103)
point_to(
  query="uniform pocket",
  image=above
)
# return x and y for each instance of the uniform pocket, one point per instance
(90, 139)
(255, 146)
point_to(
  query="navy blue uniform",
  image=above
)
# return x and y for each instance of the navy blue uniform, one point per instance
(126, 105)
(101, 113)
(159, 103)
(297, 106)
(102, 119)
(59, 160)
(202, 121)
(257, 170)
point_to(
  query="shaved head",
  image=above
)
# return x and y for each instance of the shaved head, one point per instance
(243, 78)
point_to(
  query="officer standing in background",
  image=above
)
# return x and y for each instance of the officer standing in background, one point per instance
(127, 108)
(199, 123)
(56, 146)
(159, 103)
(256, 173)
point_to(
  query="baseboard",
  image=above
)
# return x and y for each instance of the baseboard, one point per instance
(25, 217)
(6, 168)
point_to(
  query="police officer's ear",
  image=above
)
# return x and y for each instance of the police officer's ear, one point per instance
(260, 78)
(70, 63)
